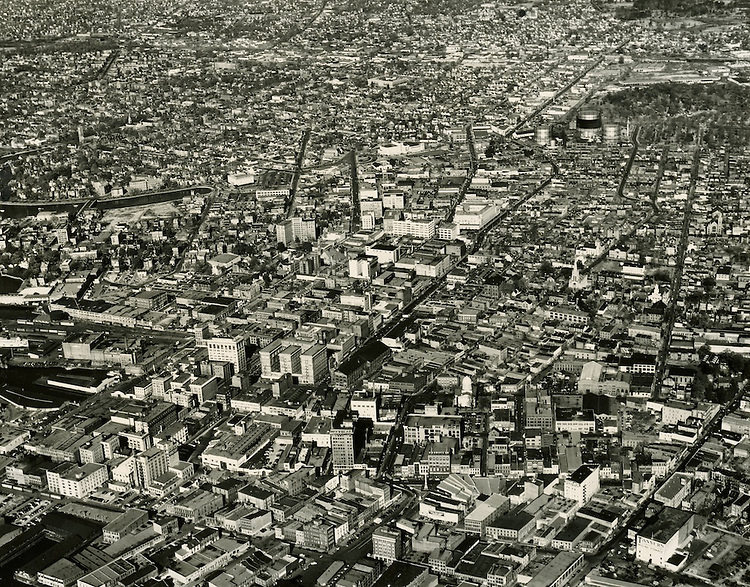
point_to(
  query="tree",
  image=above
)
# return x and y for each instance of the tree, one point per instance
(661, 276)
(546, 268)
(698, 390)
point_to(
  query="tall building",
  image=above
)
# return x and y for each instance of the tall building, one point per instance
(475, 214)
(227, 349)
(319, 535)
(386, 544)
(308, 366)
(667, 533)
(270, 363)
(582, 484)
(289, 359)
(365, 405)
(297, 228)
(62, 235)
(76, 481)
(342, 445)
(313, 365)
(304, 229)
(284, 233)
(424, 228)
(150, 465)
(363, 267)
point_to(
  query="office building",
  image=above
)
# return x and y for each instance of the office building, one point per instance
(342, 446)
(149, 465)
(668, 532)
(386, 544)
(74, 481)
(229, 349)
(582, 484)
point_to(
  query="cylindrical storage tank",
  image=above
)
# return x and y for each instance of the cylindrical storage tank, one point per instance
(589, 119)
(611, 132)
(542, 135)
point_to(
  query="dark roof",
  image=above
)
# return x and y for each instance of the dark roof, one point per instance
(573, 529)
(682, 371)
(580, 474)
(367, 354)
(599, 403)
(666, 524)
(512, 521)
(399, 573)
(606, 515)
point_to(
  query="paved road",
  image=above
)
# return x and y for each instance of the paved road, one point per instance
(670, 314)
(362, 542)
(356, 220)
(648, 218)
(102, 73)
(401, 319)
(712, 426)
(395, 436)
(297, 172)
(537, 111)
(194, 233)
(629, 165)
(470, 174)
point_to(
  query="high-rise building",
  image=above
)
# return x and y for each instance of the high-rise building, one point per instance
(365, 405)
(304, 229)
(386, 544)
(342, 445)
(284, 232)
(417, 227)
(297, 228)
(313, 365)
(228, 349)
(667, 533)
(62, 235)
(289, 359)
(308, 366)
(319, 535)
(582, 484)
(76, 481)
(270, 364)
(150, 465)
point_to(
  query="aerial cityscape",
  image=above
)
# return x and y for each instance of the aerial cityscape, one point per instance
(374, 293)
